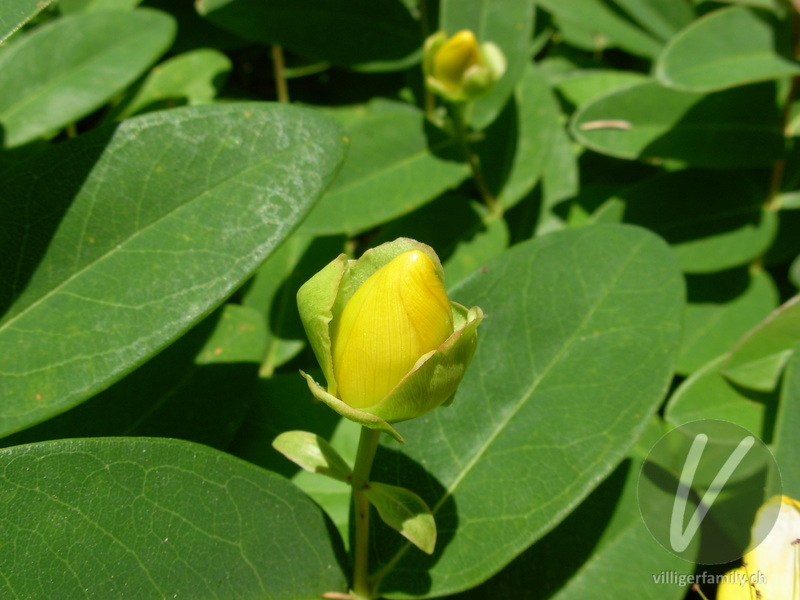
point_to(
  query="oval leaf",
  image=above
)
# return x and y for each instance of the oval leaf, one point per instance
(158, 519)
(64, 70)
(757, 361)
(15, 13)
(735, 128)
(312, 453)
(729, 47)
(139, 236)
(575, 354)
(404, 511)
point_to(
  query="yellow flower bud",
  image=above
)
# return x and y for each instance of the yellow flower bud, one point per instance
(456, 55)
(459, 69)
(399, 314)
(391, 345)
(771, 569)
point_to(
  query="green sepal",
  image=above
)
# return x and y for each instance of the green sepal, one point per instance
(404, 511)
(313, 453)
(429, 50)
(348, 412)
(436, 375)
(315, 300)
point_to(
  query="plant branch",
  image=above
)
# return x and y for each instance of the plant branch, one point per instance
(459, 120)
(278, 67)
(367, 446)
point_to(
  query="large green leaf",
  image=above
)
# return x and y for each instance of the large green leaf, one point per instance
(735, 128)
(70, 6)
(141, 231)
(368, 34)
(786, 428)
(197, 389)
(722, 308)
(147, 518)
(757, 361)
(605, 25)
(575, 354)
(64, 70)
(583, 86)
(392, 168)
(15, 13)
(726, 48)
(507, 23)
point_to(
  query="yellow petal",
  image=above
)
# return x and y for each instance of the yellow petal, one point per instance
(400, 313)
(455, 56)
(734, 586)
(777, 557)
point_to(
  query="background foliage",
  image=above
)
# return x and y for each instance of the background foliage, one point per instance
(159, 211)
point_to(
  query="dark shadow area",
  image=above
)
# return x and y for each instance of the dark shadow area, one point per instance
(38, 191)
(689, 139)
(169, 396)
(717, 288)
(410, 575)
(696, 203)
(282, 403)
(445, 223)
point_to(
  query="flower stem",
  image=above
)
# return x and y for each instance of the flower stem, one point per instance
(367, 446)
(279, 72)
(459, 120)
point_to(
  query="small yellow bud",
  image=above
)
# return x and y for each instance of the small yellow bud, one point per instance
(456, 55)
(400, 313)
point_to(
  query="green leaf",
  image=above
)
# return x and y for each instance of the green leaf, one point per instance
(158, 519)
(15, 13)
(662, 19)
(757, 361)
(141, 232)
(365, 34)
(708, 395)
(312, 453)
(574, 356)
(729, 47)
(607, 26)
(191, 78)
(507, 23)
(582, 87)
(197, 389)
(529, 138)
(390, 169)
(722, 308)
(786, 427)
(736, 128)
(66, 69)
(72, 6)
(714, 220)
(404, 511)
(603, 536)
